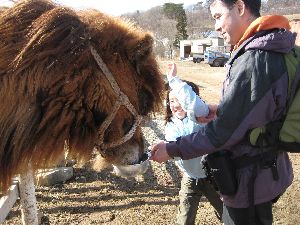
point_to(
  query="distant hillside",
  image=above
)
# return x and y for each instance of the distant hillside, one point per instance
(281, 7)
(199, 24)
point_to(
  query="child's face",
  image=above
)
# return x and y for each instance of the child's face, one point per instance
(176, 107)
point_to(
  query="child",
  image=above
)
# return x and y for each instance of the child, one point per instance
(184, 108)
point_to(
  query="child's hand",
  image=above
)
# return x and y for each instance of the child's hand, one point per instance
(211, 115)
(172, 70)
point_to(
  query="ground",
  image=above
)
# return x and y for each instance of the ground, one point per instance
(152, 198)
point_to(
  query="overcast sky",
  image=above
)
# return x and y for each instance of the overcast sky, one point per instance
(116, 7)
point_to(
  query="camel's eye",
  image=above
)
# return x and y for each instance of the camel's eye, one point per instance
(127, 124)
(99, 117)
(145, 102)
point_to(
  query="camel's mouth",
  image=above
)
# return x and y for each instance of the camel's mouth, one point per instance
(134, 169)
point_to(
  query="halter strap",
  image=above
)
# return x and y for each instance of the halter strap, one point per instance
(122, 100)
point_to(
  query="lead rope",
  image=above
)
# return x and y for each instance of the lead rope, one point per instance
(122, 100)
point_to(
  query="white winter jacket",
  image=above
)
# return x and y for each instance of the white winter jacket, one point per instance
(194, 106)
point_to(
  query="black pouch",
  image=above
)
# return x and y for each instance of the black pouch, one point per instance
(209, 176)
(223, 170)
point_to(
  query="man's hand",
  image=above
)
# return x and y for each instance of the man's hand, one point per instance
(159, 152)
(211, 115)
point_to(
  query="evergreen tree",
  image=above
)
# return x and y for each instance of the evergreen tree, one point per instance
(177, 12)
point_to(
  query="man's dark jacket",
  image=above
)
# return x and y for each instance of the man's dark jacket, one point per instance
(254, 93)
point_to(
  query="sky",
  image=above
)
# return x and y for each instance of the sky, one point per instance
(115, 7)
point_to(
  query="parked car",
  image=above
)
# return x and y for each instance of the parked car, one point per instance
(197, 57)
(214, 58)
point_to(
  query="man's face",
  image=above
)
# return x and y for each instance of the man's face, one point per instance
(227, 21)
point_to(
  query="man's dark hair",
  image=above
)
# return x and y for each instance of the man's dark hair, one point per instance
(252, 5)
(168, 113)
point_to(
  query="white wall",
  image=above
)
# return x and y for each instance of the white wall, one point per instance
(197, 45)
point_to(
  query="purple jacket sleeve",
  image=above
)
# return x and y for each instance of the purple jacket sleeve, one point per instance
(251, 99)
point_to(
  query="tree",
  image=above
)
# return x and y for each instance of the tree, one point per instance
(170, 23)
(177, 12)
(283, 7)
(199, 21)
(163, 28)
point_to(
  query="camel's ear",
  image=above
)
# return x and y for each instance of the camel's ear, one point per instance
(139, 49)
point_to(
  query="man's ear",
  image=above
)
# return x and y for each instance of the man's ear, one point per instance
(240, 6)
(140, 48)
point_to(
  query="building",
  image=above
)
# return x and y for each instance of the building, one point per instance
(199, 46)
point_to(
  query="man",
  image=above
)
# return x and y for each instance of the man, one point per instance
(254, 93)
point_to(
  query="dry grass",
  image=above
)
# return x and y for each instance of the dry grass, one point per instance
(293, 17)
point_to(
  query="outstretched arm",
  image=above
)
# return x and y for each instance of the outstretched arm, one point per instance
(172, 70)
(189, 100)
(211, 115)
(240, 110)
(159, 152)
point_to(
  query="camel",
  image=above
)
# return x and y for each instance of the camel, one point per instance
(81, 78)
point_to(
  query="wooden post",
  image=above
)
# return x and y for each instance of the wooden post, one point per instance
(27, 198)
(7, 201)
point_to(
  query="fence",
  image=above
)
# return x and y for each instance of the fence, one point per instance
(22, 188)
(8, 201)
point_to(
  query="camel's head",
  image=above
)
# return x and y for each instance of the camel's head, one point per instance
(127, 87)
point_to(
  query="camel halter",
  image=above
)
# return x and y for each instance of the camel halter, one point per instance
(122, 100)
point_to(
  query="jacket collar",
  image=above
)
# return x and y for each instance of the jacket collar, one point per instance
(264, 23)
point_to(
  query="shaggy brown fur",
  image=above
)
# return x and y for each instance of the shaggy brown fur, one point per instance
(52, 90)
(2, 9)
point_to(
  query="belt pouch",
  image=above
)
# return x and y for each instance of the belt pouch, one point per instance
(223, 171)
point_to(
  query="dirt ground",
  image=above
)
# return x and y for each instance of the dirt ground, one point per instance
(152, 198)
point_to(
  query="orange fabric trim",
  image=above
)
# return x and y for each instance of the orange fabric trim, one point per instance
(264, 23)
